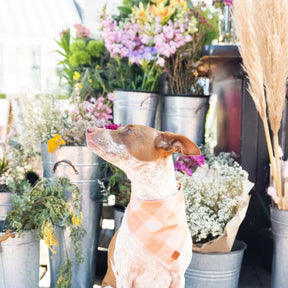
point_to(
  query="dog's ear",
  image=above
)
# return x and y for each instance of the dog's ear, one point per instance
(172, 142)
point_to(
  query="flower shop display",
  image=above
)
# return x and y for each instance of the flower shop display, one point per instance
(265, 63)
(216, 197)
(226, 26)
(140, 43)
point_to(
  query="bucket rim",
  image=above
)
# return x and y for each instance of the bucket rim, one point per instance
(240, 243)
(136, 91)
(187, 95)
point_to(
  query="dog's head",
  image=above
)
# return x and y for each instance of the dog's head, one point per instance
(137, 142)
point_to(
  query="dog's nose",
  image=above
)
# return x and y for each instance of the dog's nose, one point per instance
(90, 130)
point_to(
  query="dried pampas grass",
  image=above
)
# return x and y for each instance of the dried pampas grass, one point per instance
(261, 27)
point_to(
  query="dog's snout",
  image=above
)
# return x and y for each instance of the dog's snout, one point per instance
(90, 130)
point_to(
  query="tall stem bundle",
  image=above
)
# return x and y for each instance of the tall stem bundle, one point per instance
(262, 31)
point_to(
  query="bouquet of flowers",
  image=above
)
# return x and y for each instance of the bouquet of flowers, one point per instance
(145, 39)
(216, 198)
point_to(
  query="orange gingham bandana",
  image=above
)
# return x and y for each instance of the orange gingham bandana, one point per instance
(160, 226)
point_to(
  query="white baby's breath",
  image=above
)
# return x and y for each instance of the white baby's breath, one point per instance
(212, 197)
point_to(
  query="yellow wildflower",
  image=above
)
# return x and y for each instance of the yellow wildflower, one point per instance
(80, 85)
(49, 236)
(54, 143)
(76, 76)
(97, 67)
(77, 220)
(90, 80)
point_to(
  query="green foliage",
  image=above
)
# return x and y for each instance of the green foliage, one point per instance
(43, 205)
(118, 185)
(3, 166)
(83, 55)
(2, 96)
(65, 278)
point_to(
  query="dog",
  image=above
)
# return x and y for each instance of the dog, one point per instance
(153, 246)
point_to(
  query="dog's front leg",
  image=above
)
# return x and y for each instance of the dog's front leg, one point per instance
(178, 281)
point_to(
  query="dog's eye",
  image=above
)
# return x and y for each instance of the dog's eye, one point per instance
(128, 131)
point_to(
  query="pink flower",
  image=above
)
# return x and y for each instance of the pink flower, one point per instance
(111, 96)
(271, 191)
(82, 31)
(112, 126)
(160, 61)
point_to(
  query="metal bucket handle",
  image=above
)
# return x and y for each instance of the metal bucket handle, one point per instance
(142, 103)
(67, 162)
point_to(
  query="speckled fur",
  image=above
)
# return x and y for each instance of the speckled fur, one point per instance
(133, 267)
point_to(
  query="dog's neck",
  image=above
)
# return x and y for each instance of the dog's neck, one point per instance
(153, 180)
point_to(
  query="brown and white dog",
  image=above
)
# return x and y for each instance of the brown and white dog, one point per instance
(145, 155)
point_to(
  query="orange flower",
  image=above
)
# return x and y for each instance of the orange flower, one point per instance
(54, 143)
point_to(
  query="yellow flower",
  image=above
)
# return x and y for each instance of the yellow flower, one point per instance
(80, 85)
(49, 236)
(77, 220)
(90, 80)
(97, 67)
(76, 76)
(141, 13)
(54, 143)
(182, 3)
(162, 11)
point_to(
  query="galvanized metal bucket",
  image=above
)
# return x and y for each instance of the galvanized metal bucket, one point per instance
(215, 270)
(185, 115)
(279, 223)
(118, 216)
(90, 168)
(19, 261)
(135, 107)
(5, 204)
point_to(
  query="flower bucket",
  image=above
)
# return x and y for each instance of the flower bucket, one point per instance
(90, 168)
(186, 115)
(135, 107)
(19, 261)
(118, 216)
(279, 223)
(5, 206)
(215, 270)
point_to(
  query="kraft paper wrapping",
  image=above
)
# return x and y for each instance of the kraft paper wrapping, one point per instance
(225, 242)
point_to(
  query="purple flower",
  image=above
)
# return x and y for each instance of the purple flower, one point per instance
(187, 164)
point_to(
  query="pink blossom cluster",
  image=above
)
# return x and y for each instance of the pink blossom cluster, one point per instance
(98, 109)
(112, 126)
(81, 31)
(131, 39)
(169, 38)
(187, 164)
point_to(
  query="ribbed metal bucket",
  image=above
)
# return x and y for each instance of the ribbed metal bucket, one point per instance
(279, 223)
(215, 270)
(19, 261)
(90, 168)
(135, 107)
(118, 216)
(5, 204)
(185, 115)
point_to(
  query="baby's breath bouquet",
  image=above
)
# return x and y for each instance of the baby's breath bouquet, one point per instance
(216, 197)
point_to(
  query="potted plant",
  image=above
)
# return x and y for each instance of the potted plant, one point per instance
(118, 191)
(216, 197)
(153, 32)
(266, 68)
(36, 204)
(62, 134)
(186, 95)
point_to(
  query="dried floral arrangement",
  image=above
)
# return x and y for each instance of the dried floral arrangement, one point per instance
(215, 194)
(263, 47)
